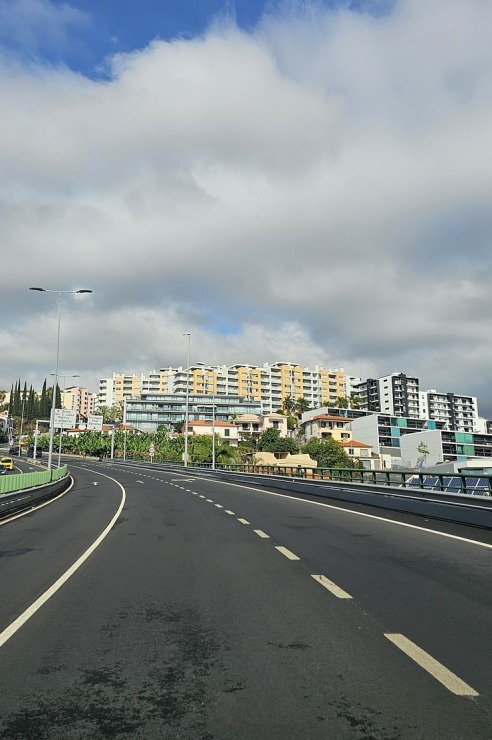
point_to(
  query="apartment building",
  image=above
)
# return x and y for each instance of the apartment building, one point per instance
(81, 400)
(396, 394)
(152, 410)
(120, 386)
(456, 411)
(267, 385)
(445, 446)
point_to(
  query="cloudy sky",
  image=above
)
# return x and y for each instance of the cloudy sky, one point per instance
(303, 181)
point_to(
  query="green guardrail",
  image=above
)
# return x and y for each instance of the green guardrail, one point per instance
(21, 481)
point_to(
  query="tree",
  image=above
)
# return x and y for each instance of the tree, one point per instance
(355, 401)
(288, 405)
(342, 402)
(302, 405)
(328, 453)
(271, 441)
(423, 451)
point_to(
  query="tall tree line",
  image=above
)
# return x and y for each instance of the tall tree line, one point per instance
(27, 404)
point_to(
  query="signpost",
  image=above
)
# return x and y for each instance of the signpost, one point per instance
(152, 452)
(95, 423)
(64, 418)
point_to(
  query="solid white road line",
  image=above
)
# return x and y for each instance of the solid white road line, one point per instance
(288, 554)
(332, 587)
(242, 521)
(262, 534)
(51, 591)
(431, 665)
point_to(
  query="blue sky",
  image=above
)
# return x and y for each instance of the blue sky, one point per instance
(96, 29)
(302, 180)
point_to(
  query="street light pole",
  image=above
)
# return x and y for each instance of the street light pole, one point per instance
(187, 411)
(55, 382)
(61, 428)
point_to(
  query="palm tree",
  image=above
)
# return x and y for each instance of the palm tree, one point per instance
(301, 405)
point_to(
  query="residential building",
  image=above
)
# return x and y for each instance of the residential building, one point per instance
(120, 386)
(456, 411)
(323, 426)
(227, 431)
(268, 384)
(152, 410)
(80, 400)
(384, 433)
(396, 394)
(444, 445)
(252, 425)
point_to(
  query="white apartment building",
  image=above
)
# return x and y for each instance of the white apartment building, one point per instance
(80, 400)
(454, 410)
(120, 386)
(268, 384)
(396, 394)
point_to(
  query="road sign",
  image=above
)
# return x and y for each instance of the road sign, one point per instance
(65, 418)
(151, 449)
(95, 423)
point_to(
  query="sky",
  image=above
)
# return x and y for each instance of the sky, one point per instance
(299, 181)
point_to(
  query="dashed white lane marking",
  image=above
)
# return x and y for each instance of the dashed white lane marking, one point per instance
(36, 605)
(219, 506)
(201, 496)
(194, 493)
(288, 554)
(360, 513)
(262, 534)
(228, 511)
(431, 665)
(242, 521)
(209, 500)
(332, 587)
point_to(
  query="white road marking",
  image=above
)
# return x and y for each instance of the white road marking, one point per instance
(209, 500)
(431, 665)
(332, 587)
(260, 533)
(201, 496)
(228, 511)
(139, 481)
(219, 506)
(242, 521)
(9, 631)
(288, 554)
(361, 513)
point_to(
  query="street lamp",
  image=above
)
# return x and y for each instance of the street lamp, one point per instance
(213, 410)
(55, 382)
(63, 401)
(187, 412)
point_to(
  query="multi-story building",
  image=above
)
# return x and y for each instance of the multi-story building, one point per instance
(457, 412)
(80, 400)
(120, 386)
(396, 394)
(444, 446)
(384, 432)
(152, 410)
(268, 385)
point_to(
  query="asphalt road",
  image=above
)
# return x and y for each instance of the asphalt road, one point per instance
(188, 622)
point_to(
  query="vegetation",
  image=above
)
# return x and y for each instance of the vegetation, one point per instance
(329, 453)
(271, 441)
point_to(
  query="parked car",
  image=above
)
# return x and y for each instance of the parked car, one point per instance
(14, 450)
(30, 451)
(7, 463)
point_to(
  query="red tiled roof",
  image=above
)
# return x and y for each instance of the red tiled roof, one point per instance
(327, 417)
(353, 443)
(206, 423)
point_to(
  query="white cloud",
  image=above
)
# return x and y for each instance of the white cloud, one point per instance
(322, 186)
(36, 24)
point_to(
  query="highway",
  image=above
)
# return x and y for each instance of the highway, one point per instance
(190, 608)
